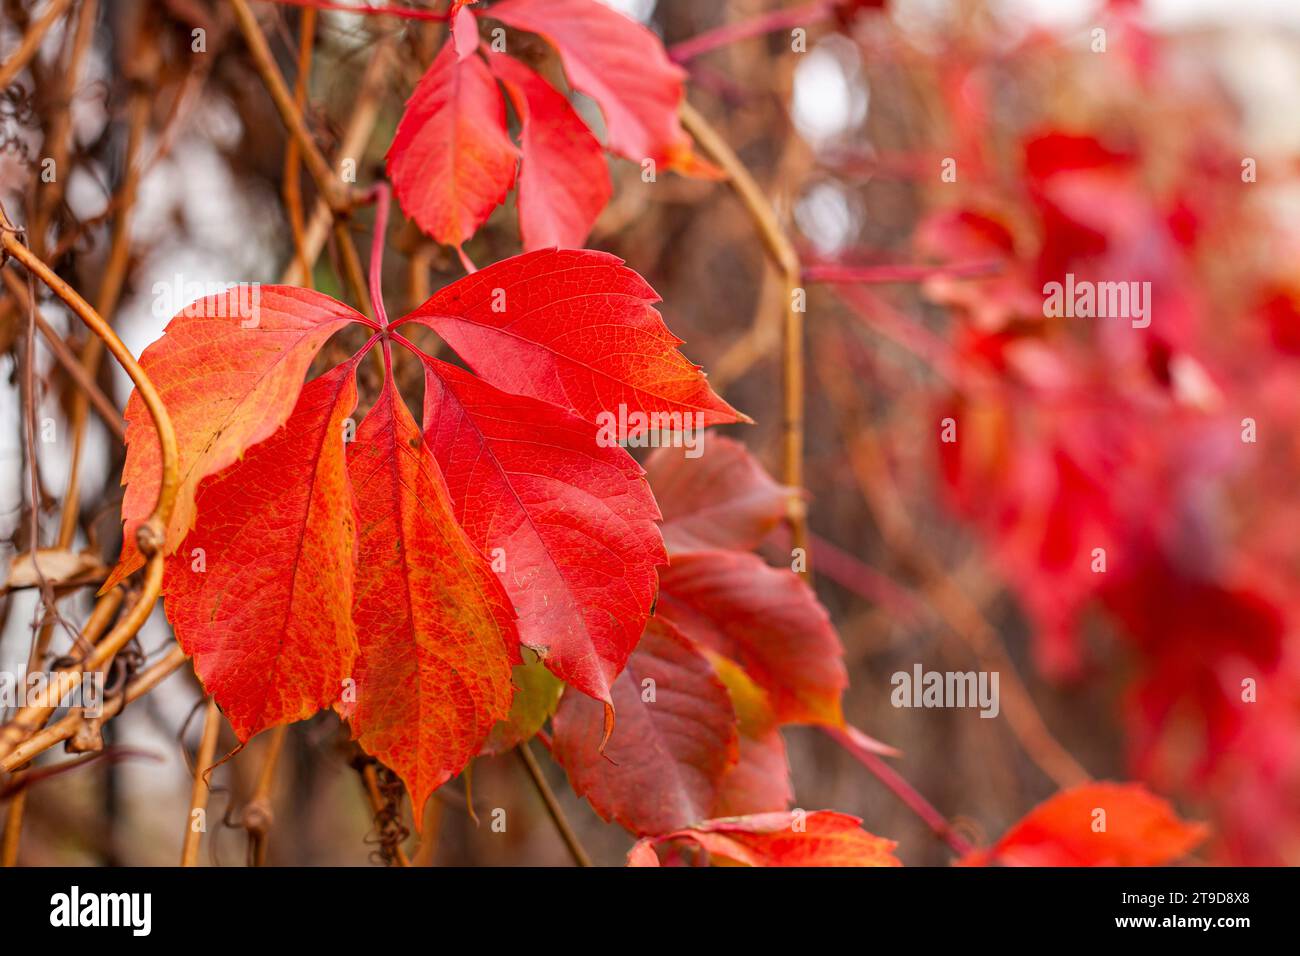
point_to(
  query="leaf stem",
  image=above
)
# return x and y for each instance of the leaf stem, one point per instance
(785, 257)
(382, 196)
(576, 850)
(406, 13)
(900, 788)
(757, 26)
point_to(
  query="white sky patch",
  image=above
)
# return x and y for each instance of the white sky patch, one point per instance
(830, 93)
(639, 10)
(829, 216)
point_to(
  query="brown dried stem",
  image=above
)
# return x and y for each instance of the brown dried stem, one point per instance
(199, 791)
(786, 259)
(152, 533)
(567, 833)
(31, 42)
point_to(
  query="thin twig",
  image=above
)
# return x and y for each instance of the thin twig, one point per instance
(406, 13)
(961, 615)
(365, 113)
(786, 258)
(757, 26)
(68, 360)
(152, 534)
(31, 42)
(292, 151)
(264, 62)
(834, 272)
(63, 729)
(900, 788)
(567, 834)
(258, 814)
(199, 790)
(58, 136)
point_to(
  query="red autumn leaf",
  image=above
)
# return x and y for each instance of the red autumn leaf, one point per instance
(723, 499)
(573, 522)
(674, 740)
(577, 329)
(820, 838)
(437, 630)
(464, 30)
(229, 369)
(452, 161)
(261, 595)
(306, 585)
(563, 180)
(765, 619)
(619, 64)
(759, 781)
(1096, 824)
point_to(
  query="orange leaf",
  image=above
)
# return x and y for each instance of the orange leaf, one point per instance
(261, 593)
(436, 627)
(229, 368)
(1096, 824)
(820, 838)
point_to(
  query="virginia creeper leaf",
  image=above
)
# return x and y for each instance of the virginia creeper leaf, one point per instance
(619, 64)
(820, 838)
(765, 619)
(1096, 824)
(563, 180)
(260, 595)
(759, 781)
(573, 523)
(452, 161)
(229, 369)
(723, 499)
(436, 630)
(672, 745)
(574, 328)
(326, 572)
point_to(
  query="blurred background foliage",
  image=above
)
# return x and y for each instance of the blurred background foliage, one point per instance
(924, 303)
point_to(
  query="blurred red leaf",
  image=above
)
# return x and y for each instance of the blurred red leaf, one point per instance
(765, 619)
(1140, 829)
(820, 838)
(719, 500)
(674, 739)
(619, 64)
